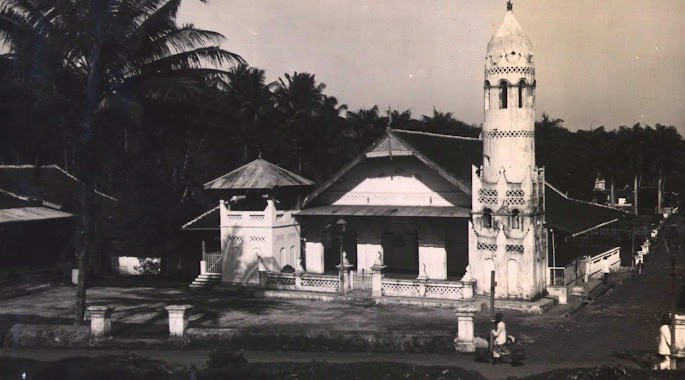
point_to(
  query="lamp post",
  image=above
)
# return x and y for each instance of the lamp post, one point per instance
(341, 273)
(677, 232)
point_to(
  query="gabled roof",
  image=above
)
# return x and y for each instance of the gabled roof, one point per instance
(451, 156)
(46, 184)
(258, 175)
(576, 217)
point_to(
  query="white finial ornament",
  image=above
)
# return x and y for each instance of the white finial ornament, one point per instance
(379, 260)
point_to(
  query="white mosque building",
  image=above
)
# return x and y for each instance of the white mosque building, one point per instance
(425, 215)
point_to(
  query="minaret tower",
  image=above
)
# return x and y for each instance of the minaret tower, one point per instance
(506, 233)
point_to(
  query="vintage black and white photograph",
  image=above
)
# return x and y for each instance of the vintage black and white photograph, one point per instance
(342, 189)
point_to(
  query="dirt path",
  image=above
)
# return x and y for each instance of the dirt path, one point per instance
(625, 318)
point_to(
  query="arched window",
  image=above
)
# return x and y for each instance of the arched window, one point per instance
(487, 218)
(283, 258)
(515, 220)
(293, 257)
(522, 88)
(487, 95)
(503, 94)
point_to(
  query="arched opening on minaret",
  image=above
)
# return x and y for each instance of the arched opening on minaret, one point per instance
(503, 94)
(522, 89)
(515, 220)
(487, 95)
(487, 218)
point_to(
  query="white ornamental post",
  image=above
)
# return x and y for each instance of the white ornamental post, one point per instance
(100, 321)
(178, 319)
(377, 277)
(464, 341)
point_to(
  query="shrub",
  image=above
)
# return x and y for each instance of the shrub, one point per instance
(148, 266)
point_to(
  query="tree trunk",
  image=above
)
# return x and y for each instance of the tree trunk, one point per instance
(613, 192)
(635, 191)
(660, 192)
(88, 160)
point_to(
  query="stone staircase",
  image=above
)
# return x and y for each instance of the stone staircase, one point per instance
(206, 280)
(579, 291)
(588, 291)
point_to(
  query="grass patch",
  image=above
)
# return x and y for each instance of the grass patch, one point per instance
(134, 368)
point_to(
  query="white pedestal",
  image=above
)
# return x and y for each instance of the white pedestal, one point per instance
(74, 276)
(377, 280)
(680, 334)
(178, 319)
(203, 267)
(100, 321)
(464, 342)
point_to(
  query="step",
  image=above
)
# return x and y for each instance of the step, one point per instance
(217, 277)
(205, 281)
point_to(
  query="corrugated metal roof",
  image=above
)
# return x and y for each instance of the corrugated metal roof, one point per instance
(47, 183)
(258, 175)
(27, 214)
(425, 211)
(575, 216)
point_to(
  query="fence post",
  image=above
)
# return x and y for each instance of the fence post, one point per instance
(377, 279)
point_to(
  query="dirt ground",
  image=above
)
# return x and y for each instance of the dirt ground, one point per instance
(624, 319)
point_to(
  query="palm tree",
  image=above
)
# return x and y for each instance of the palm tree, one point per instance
(668, 152)
(403, 120)
(364, 126)
(634, 142)
(119, 52)
(329, 129)
(607, 156)
(446, 123)
(249, 101)
(299, 100)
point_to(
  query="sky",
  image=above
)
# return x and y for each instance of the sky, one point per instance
(608, 62)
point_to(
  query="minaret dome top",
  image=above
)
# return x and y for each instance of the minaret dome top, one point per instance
(509, 43)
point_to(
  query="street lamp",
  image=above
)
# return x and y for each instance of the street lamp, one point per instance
(341, 223)
(677, 229)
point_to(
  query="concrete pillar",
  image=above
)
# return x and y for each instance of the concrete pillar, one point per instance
(434, 257)
(422, 286)
(314, 257)
(347, 279)
(74, 276)
(178, 319)
(262, 278)
(298, 279)
(377, 279)
(203, 267)
(464, 341)
(680, 333)
(100, 321)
